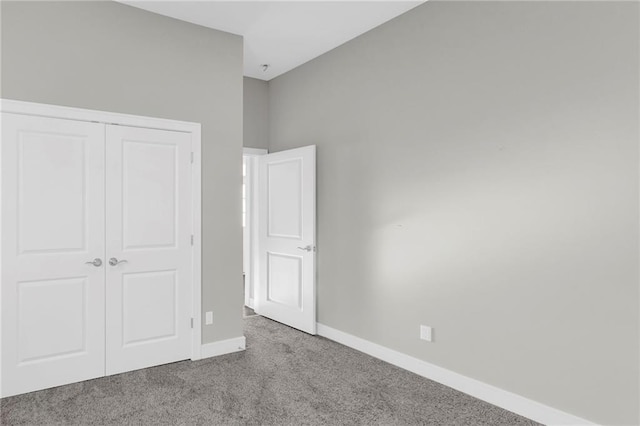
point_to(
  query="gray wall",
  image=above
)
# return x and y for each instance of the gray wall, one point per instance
(478, 172)
(256, 113)
(112, 57)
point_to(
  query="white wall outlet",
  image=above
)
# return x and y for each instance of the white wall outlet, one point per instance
(208, 318)
(426, 333)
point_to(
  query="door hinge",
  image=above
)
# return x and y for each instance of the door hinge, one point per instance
(191, 322)
(191, 239)
(192, 158)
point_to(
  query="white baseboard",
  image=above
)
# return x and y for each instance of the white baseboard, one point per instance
(223, 347)
(504, 399)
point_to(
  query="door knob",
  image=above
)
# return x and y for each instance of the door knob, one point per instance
(96, 262)
(113, 261)
(307, 248)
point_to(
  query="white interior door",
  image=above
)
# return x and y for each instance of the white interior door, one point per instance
(52, 225)
(287, 214)
(149, 252)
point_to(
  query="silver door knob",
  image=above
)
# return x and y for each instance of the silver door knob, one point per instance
(307, 248)
(113, 261)
(96, 262)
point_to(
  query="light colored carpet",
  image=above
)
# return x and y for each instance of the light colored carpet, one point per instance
(285, 377)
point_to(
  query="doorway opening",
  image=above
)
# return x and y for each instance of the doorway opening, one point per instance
(249, 225)
(279, 224)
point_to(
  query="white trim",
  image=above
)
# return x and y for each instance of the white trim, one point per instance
(1, 209)
(247, 252)
(223, 347)
(251, 224)
(504, 399)
(79, 114)
(254, 260)
(196, 185)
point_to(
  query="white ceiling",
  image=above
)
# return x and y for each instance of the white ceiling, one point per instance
(282, 34)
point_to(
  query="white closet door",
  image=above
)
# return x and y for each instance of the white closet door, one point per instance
(52, 224)
(149, 223)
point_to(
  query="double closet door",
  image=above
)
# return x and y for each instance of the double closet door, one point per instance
(96, 250)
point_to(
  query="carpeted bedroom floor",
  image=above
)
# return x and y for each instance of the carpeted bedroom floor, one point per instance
(285, 377)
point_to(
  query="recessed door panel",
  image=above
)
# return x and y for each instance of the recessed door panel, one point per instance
(284, 198)
(149, 184)
(149, 223)
(52, 225)
(154, 295)
(284, 280)
(62, 302)
(51, 178)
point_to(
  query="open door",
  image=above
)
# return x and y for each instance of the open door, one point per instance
(286, 287)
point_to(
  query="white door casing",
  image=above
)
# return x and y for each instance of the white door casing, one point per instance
(149, 222)
(250, 210)
(287, 214)
(52, 224)
(246, 231)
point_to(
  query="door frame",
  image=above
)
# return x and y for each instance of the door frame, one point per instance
(251, 222)
(80, 114)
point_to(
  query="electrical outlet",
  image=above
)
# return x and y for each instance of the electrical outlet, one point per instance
(426, 333)
(209, 318)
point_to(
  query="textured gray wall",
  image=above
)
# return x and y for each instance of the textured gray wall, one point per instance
(112, 57)
(256, 113)
(478, 172)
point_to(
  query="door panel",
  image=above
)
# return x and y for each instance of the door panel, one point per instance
(51, 176)
(149, 183)
(149, 223)
(62, 302)
(52, 224)
(284, 198)
(159, 319)
(286, 285)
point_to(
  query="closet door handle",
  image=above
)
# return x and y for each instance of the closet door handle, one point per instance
(114, 262)
(95, 262)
